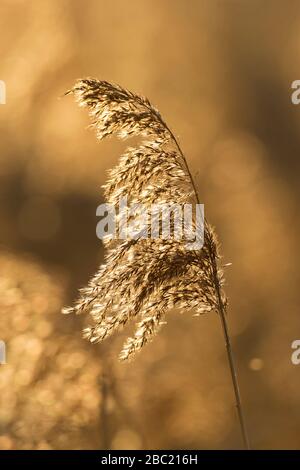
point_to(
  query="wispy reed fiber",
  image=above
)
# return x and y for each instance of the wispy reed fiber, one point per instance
(144, 278)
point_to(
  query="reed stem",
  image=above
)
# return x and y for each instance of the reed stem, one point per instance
(222, 315)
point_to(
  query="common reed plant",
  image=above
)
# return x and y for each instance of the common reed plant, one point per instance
(145, 278)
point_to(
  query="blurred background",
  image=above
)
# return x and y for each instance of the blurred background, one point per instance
(220, 72)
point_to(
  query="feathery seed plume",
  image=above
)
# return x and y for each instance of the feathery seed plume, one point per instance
(145, 278)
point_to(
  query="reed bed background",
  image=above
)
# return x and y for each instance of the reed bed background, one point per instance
(220, 73)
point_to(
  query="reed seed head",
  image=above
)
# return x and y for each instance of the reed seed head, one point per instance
(144, 278)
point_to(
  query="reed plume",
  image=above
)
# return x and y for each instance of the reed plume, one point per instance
(145, 278)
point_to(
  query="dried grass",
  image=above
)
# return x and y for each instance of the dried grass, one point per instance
(145, 278)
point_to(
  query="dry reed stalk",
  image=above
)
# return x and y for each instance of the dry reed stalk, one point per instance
(148, 277)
